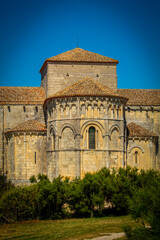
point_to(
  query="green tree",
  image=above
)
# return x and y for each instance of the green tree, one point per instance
(144, 205)
(5, 184)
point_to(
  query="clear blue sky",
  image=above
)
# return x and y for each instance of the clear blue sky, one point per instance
(33, 30)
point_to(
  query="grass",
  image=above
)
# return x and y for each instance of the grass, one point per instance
(68, 229)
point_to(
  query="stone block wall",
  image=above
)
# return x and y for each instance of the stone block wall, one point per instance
(11, 116)
(26, 156)
(68, 122)
(146, 153)
(149, 118)
(15, 114)
(57, 76)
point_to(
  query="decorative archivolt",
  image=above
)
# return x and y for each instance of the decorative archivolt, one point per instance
(94, 124)
(135, 146)
(52, 129)
(114, 127)
(67, 125)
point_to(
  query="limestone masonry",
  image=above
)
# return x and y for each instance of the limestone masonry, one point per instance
(77, 121)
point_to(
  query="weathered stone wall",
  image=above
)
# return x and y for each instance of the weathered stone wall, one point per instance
(15, 114)
(149, 118)
(146, 153)
(11, 116)
(57, 76)
(68, 122)
(26, 156)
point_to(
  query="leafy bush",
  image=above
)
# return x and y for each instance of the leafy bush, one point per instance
(5, 185)
(145, 206)
(52, 197)
(19, 203)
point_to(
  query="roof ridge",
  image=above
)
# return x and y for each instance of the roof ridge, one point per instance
(85, 87)
(79, 55)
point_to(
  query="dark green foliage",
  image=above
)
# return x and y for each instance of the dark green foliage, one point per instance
(52, 197)
(5, 185)
(125, 181)
(145, 206)
(19, 203)
(116, 192)
(33, 179)
(85, 195)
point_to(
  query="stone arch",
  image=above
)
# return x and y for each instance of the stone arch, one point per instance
(86, 135)
(136, 155)
(136, 146)
(89, 110)
(114, 138)
(52, 137)
(92, 123)
(101, 110)
(67, 125)
(73, 110)
(112, 128)
(67, 139)
(83, 110)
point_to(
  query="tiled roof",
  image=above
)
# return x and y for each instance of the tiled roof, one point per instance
(86, 87)
(141, 96)
(22, 95)
(80, 55)
(135, 130)
(29, 126)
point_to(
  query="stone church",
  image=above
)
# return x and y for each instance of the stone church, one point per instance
(78, 121)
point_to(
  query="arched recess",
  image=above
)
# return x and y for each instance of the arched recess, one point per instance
(136, 147)
(52, 138)
(115, 126)
(67, 139)
(92, 136)
(73, 110)
(136, 155)
(69, 126)
(114, 138)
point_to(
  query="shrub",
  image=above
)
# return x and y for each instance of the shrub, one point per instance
(145, 206)
(5, 184)
(19, 203)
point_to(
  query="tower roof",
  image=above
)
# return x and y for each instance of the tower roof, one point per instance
(80, 55)
(86, 87)
(29, 126)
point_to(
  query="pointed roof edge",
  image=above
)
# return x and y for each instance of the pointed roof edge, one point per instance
(31, 125)
(135, 130)
(79, 89)
(71, 56)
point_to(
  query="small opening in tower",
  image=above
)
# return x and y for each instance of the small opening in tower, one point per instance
(9, 109)
(24, 108)
(36, 109)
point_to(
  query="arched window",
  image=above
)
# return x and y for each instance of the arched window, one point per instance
(136, 157)
(91, 138)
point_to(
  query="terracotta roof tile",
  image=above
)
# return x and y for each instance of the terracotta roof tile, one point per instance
(80, 55)
(22, 95)
(141, 97)
(29, 126)
(85, 87)
(135, 130)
